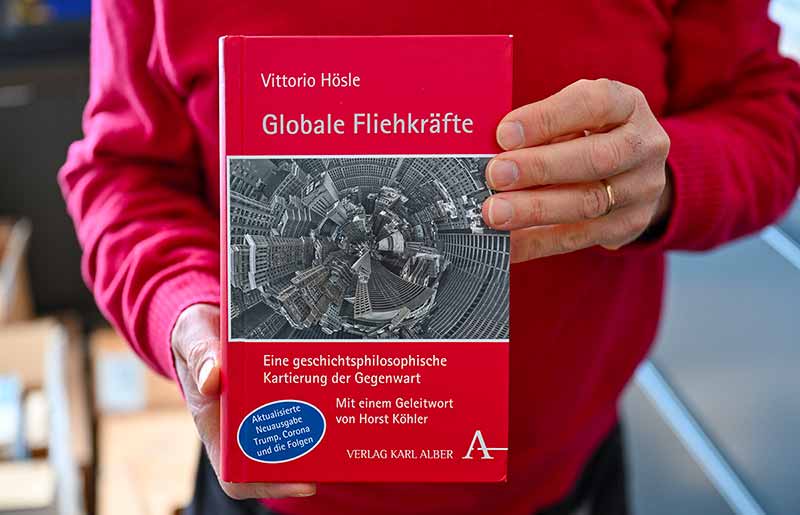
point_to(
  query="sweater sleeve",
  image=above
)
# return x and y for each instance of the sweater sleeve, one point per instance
(133, 188)
(734, 122)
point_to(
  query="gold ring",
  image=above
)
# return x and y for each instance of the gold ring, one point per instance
(612, 201)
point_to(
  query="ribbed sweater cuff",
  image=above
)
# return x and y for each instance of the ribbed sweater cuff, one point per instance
(699, 191)
(171, 298)
(698, 196)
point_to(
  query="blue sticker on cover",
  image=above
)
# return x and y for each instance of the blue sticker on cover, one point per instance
(281, 431)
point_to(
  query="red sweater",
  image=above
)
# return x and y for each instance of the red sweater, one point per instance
(142, 187)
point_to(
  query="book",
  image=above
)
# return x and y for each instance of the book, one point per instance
(365, 320)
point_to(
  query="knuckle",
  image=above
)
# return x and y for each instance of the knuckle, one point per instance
(611, 90)
(661, 143)
(594, 201)
(536, 168)
(197, 352)
(634, 143)
(535, 210)
(545, 121)
(636, 94)
(604, 82)
(634, 98)
(605, 157)
(596, 101)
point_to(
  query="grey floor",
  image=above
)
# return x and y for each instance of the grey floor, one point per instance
(729, 347)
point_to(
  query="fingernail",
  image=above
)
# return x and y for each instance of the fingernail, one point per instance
(205, 371)
(502, 173)
(509, 135)
(304, 492)
(500, 211)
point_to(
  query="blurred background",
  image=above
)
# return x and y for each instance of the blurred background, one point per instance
(711, 421)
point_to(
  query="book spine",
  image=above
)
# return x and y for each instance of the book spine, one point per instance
(230, 116)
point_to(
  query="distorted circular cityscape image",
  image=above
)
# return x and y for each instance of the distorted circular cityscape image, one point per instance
(364, 248)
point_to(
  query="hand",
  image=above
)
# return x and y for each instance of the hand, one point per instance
(559, 153)
(195, 345)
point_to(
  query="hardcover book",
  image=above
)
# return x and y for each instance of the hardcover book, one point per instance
(365, 321)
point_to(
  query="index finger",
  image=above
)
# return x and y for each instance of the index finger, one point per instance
(583, 105)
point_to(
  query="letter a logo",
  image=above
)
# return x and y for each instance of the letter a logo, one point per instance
(478, 438)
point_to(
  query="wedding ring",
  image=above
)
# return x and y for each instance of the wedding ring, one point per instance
(612, 202)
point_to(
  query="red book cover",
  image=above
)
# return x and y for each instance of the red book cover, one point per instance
(365, 325)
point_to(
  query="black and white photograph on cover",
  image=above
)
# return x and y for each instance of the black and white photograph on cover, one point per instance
(364, 247)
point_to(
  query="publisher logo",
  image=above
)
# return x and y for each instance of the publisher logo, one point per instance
(281, 431)
(478, 444)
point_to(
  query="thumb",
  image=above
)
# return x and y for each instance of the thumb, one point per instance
(196, 343)
(207, 377)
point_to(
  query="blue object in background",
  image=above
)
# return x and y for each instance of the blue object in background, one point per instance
(11, 420)
(66, 10)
